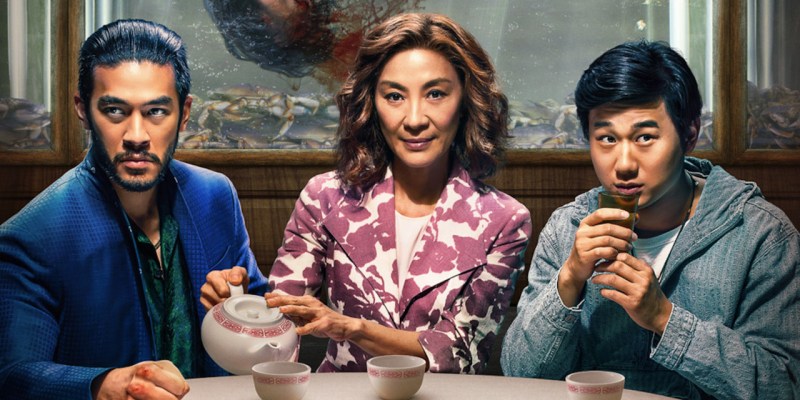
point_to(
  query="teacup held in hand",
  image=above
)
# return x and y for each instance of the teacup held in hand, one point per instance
(625, 202)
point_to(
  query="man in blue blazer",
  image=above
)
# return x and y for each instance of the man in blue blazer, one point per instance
(101, 274)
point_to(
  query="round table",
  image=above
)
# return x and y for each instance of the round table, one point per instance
(356, 386)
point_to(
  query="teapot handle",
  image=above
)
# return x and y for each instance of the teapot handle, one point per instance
(235, 290)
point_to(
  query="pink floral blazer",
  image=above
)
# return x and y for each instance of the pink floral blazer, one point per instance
(460, 280)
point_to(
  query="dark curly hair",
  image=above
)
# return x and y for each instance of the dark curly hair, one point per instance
(480, 143)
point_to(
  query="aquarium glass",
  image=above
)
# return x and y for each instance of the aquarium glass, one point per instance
(773, 74)
(265, 71)
(25, 74)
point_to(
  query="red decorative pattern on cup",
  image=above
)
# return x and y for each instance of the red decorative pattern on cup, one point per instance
(594, 390)
(614, 389)
(394, 374)
(234, 326)
(283, 380)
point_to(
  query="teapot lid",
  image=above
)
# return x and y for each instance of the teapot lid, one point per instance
(251, 310)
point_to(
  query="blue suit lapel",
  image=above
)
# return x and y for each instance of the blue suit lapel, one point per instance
(194, 251)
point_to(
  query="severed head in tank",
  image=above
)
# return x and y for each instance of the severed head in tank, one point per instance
(300, 38)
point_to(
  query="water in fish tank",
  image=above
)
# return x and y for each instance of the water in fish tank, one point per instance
(773, 82)
(25, 75)
(264, 71)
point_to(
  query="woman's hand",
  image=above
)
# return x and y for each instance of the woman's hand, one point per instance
(312, 317)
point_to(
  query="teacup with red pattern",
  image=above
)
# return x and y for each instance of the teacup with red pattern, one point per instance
(281, 380)
(595, 385)
(396, 377)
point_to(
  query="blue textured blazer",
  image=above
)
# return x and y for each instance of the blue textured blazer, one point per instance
(71, 303)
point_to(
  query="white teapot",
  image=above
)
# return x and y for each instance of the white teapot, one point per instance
(242, 331)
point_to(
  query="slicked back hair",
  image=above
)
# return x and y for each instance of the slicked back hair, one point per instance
(132, 40)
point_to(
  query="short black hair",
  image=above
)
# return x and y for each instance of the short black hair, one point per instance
(132, 40)
(638, 73)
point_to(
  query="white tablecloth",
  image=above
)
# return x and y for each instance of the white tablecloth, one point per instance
(356, 386)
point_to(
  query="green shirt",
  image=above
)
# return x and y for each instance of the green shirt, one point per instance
(169, 297)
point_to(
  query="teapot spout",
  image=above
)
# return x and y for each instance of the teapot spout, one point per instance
(266, 347)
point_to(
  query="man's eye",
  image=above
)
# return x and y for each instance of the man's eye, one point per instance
(113, 111)
(606, 139)
(645, 138)
(157, 112)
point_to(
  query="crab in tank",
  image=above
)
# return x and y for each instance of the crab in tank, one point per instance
(773, 117)
(249, 116)
(545, 124)
(23, 124)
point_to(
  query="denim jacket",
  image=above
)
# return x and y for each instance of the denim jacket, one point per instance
(732, 277)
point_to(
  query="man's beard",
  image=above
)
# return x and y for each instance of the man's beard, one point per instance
(109, 164)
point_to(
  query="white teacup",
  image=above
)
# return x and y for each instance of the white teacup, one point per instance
(595, 385)
(281, 380)
(396, 377)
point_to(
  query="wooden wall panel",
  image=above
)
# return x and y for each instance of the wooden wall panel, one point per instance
(268, 194)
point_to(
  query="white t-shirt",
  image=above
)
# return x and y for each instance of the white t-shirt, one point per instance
(408, 231)
(656, 249)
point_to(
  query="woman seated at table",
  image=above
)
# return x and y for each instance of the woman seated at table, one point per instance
(416, 255)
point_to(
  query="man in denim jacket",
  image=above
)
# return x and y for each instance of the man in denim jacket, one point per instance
(700, 300)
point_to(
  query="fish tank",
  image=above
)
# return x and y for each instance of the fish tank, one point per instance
(264, 72)
(773, 75)
(25, 75)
